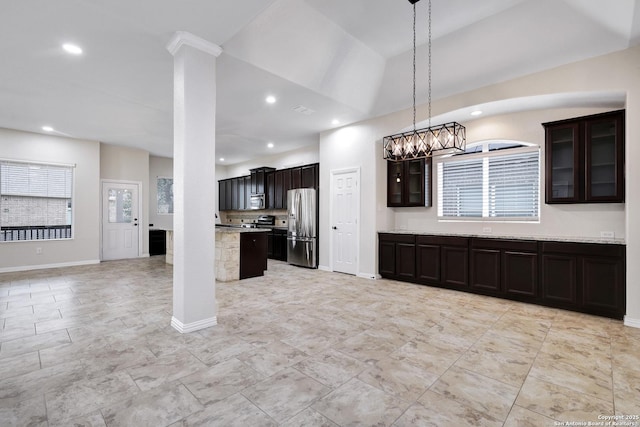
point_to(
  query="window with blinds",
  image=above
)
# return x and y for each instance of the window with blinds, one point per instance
(35, 201)
(502, 181)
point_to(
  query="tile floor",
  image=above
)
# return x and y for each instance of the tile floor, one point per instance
(92, 346)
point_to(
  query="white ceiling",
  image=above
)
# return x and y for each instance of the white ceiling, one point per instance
(344, 59)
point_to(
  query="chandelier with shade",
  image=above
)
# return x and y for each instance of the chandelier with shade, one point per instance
(432, 140)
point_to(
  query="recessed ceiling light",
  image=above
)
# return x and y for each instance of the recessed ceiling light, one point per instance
(270, 145)
(72, 48)
(222, 159)
(270, 99)
(47, 128)
(476, 113)
(335, 122)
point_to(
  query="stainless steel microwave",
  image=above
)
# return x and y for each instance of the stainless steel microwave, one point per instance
(257, 201)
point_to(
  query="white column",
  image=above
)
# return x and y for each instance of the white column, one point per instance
(632, 201)
(194, 185)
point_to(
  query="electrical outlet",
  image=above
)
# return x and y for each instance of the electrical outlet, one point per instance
(607, 234)
(39, 251)
(486, 229)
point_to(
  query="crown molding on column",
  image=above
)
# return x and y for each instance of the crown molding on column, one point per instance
(181, 38)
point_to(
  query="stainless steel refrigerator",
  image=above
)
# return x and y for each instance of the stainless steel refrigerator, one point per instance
(302, 238)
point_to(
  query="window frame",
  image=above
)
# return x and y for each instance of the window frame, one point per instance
(485, 155)
(72, 167)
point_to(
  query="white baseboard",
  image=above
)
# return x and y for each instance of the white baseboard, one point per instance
(369, 276)
(362, 275)
(45, 266)
(634, 323)
(193, 326)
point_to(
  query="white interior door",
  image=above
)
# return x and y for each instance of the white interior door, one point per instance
(120, 225)
(345, 210)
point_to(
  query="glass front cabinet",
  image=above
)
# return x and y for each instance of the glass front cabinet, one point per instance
(408, 183)
(585, 159)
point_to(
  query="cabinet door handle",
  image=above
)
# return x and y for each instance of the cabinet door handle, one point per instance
(334, 227)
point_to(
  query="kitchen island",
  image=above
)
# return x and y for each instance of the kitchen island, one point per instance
(240, 252)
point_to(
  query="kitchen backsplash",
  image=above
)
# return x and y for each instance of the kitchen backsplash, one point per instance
(248, 217)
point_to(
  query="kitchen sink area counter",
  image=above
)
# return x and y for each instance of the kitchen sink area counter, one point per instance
(574, 239)
(581, 274)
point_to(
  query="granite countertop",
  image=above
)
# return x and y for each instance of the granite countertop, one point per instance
(241, 230)
(573, 239)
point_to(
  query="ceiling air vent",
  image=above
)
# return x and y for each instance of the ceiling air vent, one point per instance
(304, 110)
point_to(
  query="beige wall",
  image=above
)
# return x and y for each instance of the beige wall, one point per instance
(129, 164)
(361, 145)
(84, 247)
(571, 220)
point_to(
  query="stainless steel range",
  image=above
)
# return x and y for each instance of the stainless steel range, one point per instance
(265, 221)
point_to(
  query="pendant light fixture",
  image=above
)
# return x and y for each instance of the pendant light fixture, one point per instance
(429, 141)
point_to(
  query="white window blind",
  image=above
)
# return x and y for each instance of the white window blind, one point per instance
(514, 185)
(35, 180)
(460, 188)
(35, 201)
(501, 184)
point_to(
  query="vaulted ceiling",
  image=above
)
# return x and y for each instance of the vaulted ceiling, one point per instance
(324, 60)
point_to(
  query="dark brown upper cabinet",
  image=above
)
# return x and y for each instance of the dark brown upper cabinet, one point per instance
(409, 183)
(305, 176)
(247, 192)
(585, 159)
(310, 175)
(259, 179)
(235, 193)
(282, 183)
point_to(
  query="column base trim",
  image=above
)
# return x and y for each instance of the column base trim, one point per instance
(634, 323)
(193, 326)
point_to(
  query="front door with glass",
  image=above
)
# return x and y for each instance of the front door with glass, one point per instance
(120, 221)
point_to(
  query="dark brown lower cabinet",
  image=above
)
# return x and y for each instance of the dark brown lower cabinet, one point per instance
(406, 260)
(253, 254)
(427, 260)
(387, 256)
(485, 269)
(432, 260)
(277, 244)
(500, 266)
(559, 275)
(157, 242)
(585, 277)
(397, 254)
(597, 273)
(454, 253)
(520, 273)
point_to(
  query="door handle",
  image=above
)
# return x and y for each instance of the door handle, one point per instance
(334, 227)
